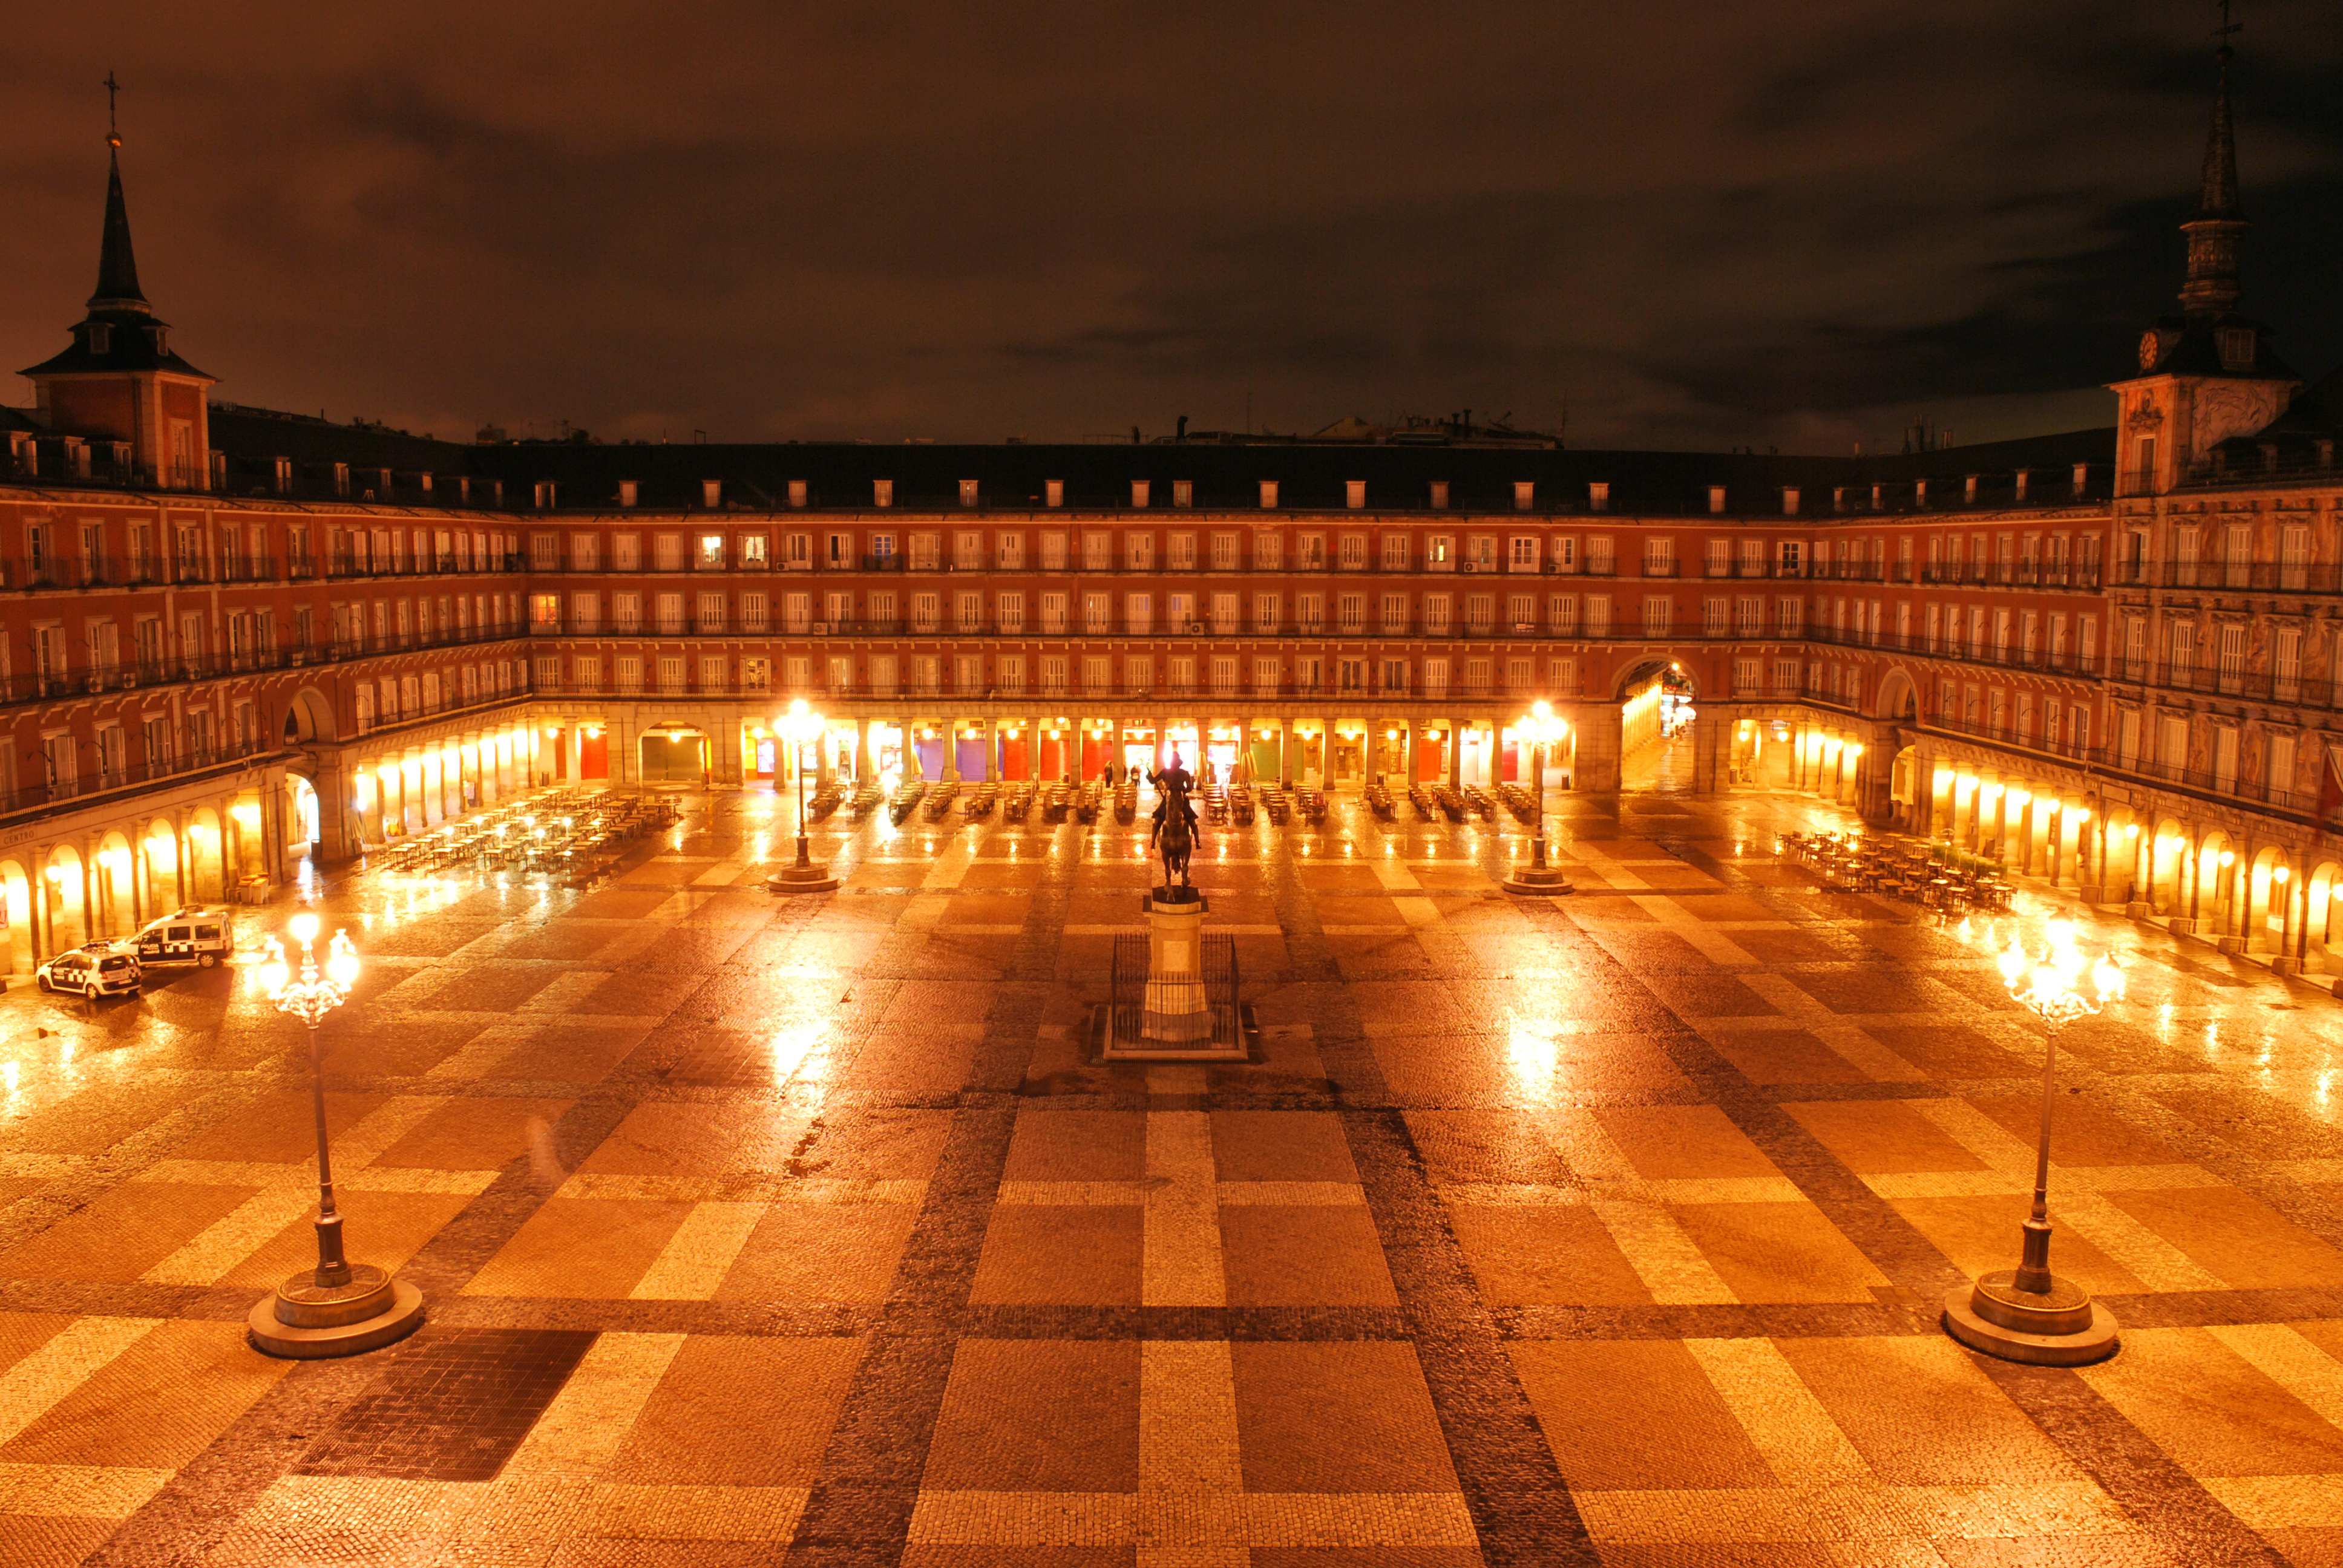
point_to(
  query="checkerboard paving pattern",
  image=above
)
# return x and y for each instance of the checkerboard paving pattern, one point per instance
(1604, 1230)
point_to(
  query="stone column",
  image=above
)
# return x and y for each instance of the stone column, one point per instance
(1285, 750)
(43, 905)
(863, 759)
(93, 920)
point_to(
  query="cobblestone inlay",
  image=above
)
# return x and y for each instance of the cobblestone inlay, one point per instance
(452, 1407)
(1605, 1228)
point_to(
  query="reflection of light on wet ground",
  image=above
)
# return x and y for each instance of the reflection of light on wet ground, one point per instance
(1533, 1055)
(800, 1050)
(8, 1071)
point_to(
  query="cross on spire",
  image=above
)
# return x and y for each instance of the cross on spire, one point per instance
(114, 134)
(2227, 26)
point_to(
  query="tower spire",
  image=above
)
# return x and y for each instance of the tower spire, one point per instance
(2215, 232)
(117, 267)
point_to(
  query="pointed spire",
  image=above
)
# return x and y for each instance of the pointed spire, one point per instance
(2215, 233)
(118, 267)
(2217, 187)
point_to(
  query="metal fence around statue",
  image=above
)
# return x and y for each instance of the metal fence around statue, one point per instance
(1128, 993)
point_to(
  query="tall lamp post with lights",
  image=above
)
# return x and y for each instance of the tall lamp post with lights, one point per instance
(2027, 1313)
(339, 1308)
(801, 728)
(1545, 731)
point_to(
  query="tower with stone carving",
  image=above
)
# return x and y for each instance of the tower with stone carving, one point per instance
(2208, 373)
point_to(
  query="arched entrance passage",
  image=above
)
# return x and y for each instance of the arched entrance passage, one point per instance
(117, 903)
(309, 719)
(301, 825)
(205, 861)
(1655, 715)
(2168, 867)
(69, 919)
(164, 892)
(1897, 699)
(2319, 920)
(1905, 784)
(2266, 892)
(16, 891)
(674, 754)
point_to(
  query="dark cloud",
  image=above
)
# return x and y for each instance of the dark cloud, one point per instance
(1679, 224)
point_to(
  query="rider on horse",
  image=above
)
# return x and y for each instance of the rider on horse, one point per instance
(1172, 785)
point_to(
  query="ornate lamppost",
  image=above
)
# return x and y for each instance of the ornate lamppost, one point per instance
(339, 1308)
(1545, 732)
(2027, 1313)
(800, 728)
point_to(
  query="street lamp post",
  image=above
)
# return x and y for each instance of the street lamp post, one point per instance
(1538, 879)
(338, 1308)
(2027, 1313)
(800, 728)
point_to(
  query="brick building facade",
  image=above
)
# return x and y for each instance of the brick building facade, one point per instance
(234, 644)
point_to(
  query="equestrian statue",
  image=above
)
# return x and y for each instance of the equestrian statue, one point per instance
(1176, 830)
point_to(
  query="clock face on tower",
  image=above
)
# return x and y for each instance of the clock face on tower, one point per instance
(2150, 346)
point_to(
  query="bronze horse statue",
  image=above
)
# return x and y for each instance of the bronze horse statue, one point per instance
(1175, 830)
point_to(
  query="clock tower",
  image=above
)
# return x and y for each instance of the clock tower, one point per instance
(2207, 374)
(121, 380)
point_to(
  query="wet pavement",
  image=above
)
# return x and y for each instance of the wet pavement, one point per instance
(1605, 1229)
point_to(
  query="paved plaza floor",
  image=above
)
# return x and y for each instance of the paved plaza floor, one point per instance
(1605, 1229)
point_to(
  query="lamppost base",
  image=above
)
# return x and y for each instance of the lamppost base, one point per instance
(2061, 1327)
(805, 878)
(1538, 882)
(304, 1321)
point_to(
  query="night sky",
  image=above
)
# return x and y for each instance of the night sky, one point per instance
(1674, 224)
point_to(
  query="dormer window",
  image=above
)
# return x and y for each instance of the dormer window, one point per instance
(158, 334)
(2236, 347)
(101, 337)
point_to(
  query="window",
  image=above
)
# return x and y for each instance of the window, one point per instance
(1008, 548)
(1268, 550)
(1522, 553)
(1394, 552)
(752, 551)
(1053, 552)
(1182, 555)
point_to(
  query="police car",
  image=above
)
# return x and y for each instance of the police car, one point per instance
(101, 968)
(199, 934)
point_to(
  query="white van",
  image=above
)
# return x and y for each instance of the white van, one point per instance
(201, 934)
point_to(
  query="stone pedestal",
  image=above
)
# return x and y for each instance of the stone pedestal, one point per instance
(1174, 1019)
(305, 1321)
(1177, 1013)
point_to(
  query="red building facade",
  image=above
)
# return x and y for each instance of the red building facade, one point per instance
(239, 646)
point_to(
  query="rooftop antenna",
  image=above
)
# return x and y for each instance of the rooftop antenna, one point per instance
(114, 135)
